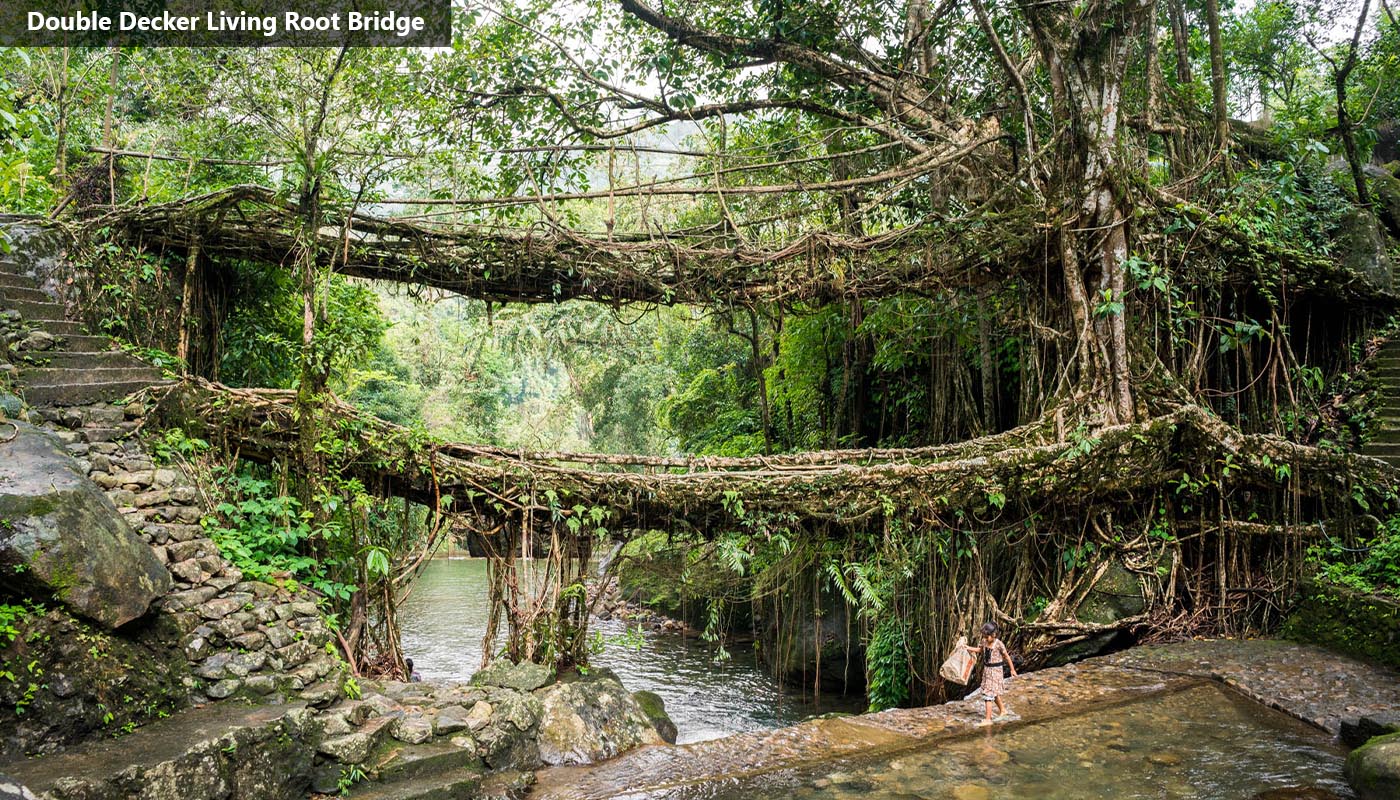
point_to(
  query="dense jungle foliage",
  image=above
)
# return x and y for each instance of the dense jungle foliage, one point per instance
(1197, 162)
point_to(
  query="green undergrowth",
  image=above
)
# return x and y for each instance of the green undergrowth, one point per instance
(1372, 566)
(265, 532)
(1352, 605)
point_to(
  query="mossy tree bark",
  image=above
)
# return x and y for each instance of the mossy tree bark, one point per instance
(1085, 51)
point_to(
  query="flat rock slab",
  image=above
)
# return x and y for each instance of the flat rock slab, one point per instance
(1034, 697)
(1310, 684)
(1317, 686)
(160, 751)
(61, 536)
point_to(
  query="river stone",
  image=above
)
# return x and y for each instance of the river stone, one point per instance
(1358, 732)
(1373, 769)
(10, 789)
(60, 535)
(480, 716)
(655, 710)
(525, 677)
(451, 720)
(590, 719)
(412, 729)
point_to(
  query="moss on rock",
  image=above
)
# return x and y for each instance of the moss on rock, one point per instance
(73, 680)
(1360, 625)
(1374, 769)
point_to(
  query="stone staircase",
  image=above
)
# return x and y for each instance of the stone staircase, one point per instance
(1385, 442)
(64, 365)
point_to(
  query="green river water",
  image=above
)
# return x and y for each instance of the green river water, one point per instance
(444, 618)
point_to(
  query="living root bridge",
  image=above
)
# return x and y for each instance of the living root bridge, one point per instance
(1023, 468)
(550, 263)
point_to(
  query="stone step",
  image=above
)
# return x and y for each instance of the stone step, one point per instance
(23, 294)
(77, 374)
(457, 784)
(17, 280)
(184, 756)
(1381, 449)
(85, 343)
(35, 310)
(79, 359)
(411, 761)
(58, 327)
(68, 394)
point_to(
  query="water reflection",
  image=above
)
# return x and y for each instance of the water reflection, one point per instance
(444, 619)
(1201, 743)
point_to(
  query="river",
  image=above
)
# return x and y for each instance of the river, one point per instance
(444, 618)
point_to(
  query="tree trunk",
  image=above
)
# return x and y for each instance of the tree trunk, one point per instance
(1086, 56)
(1181, 39)
(988, 365)
(109, 135)
(758, 369)
(1220, 112)
(1345, 125)
(60, 128)
(182, 350)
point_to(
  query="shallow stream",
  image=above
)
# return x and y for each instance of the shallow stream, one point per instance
(444, 618)
(1206, 742)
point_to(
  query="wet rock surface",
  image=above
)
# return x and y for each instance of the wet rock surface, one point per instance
(654, 708)
(520, 677)
(1305, 682)
(224, 752)
(1317, 686)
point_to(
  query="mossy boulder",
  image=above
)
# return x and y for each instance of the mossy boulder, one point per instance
(61, 538)
(1385, 185)
(1360, 244)
(1373, 769)
(75, 680)
(525, 677)
(591, 718)
(655, 710)
(1115, 597)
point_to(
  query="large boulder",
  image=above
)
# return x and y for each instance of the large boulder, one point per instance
(1116, 596)
(525, 677)
(61, 537)
(804, 645)
(1385, 185)
(1361, 246)
(1360, 731)
(591, 718)
(1373, 769)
